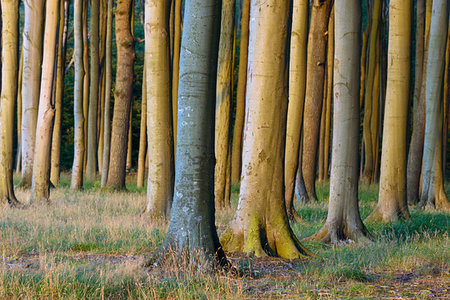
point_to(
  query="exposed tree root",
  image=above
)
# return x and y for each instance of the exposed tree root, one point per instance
(334, 234)
(378, 216)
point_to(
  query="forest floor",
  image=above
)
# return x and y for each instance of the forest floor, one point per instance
(91, 244)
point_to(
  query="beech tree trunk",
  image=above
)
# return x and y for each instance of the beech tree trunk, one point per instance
(414, 164)
(297, 86)
(176, 67)
(40, 186)
(143, 133)
(316, 63)
(433, 195)
(32, 58)
(91, 164)
(260, 226)
(78, 159)
(108, 81)
(10, 27)
(192, 234)
(236, 150)
(159, 110)
(223, 101)
(344, 221)
(122, 95)
(392, 203)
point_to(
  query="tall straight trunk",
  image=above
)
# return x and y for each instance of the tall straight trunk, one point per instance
(236, 150)
(32, 58)
(122, 95)
(91, 164)
(177, 30)
(143, 132)
(9, 45)
(78, 165)
(316, 63)
(130, 141)
(40, 185)
(297, 86)
(433, 195)
(85, 78)
(369, 100)
(446, 107)
(414, 164)
(19, 114)
(344, 221)
(392, 203)
(159, 113)
(261, 226)
(192, 232)
(223, 100)
(108, 79)
(59, 92)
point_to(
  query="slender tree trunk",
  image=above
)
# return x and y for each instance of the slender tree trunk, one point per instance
(78, 166)
(191, 230)
(143, 132)
(85, 78)
(9, 36)
(316, 64)
(414, 165)
(392, 203)
(223, 101)
(59, 92)
(130, 140)
(108, 75)
(40, 186)
(297, 86)
(91, 165)
(344, 221)
(236, 150)
(261, 225)
(19, 114)
(32, 58)
(433, 195)
(176, 67)
(122, 95)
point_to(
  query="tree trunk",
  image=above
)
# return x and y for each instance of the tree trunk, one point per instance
(85, 78)
(297, 85)
(9, 36)
(32, 58)
(78, 165)
(223, 101)
(19, 113)
(130, 139)
(122, 95)
(40, 186)
(344, 221)
(108, 75)
(261, 225)
(176, 68)
(159, 113)
(191, 231)
(414, 164)
(317, 45)
(91, 164)
(143, 132)
(59, 92)
(236, 150)
(392, 195)
(433, 195)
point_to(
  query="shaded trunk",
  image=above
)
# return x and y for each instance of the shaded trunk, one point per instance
(143, 133)
(392, 203)
(176, 67)
(108, 81)
(297, 85)
(344, 221)
(223, 101)
(40, 186)
(122, 95)
(316, 63)
(192, 233)
(261, 225)
(236, 150)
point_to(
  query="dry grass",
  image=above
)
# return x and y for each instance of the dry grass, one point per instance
(91, 245)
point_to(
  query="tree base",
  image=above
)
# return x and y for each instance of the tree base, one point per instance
(378, 215)
(344, 234)
(438, 202)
